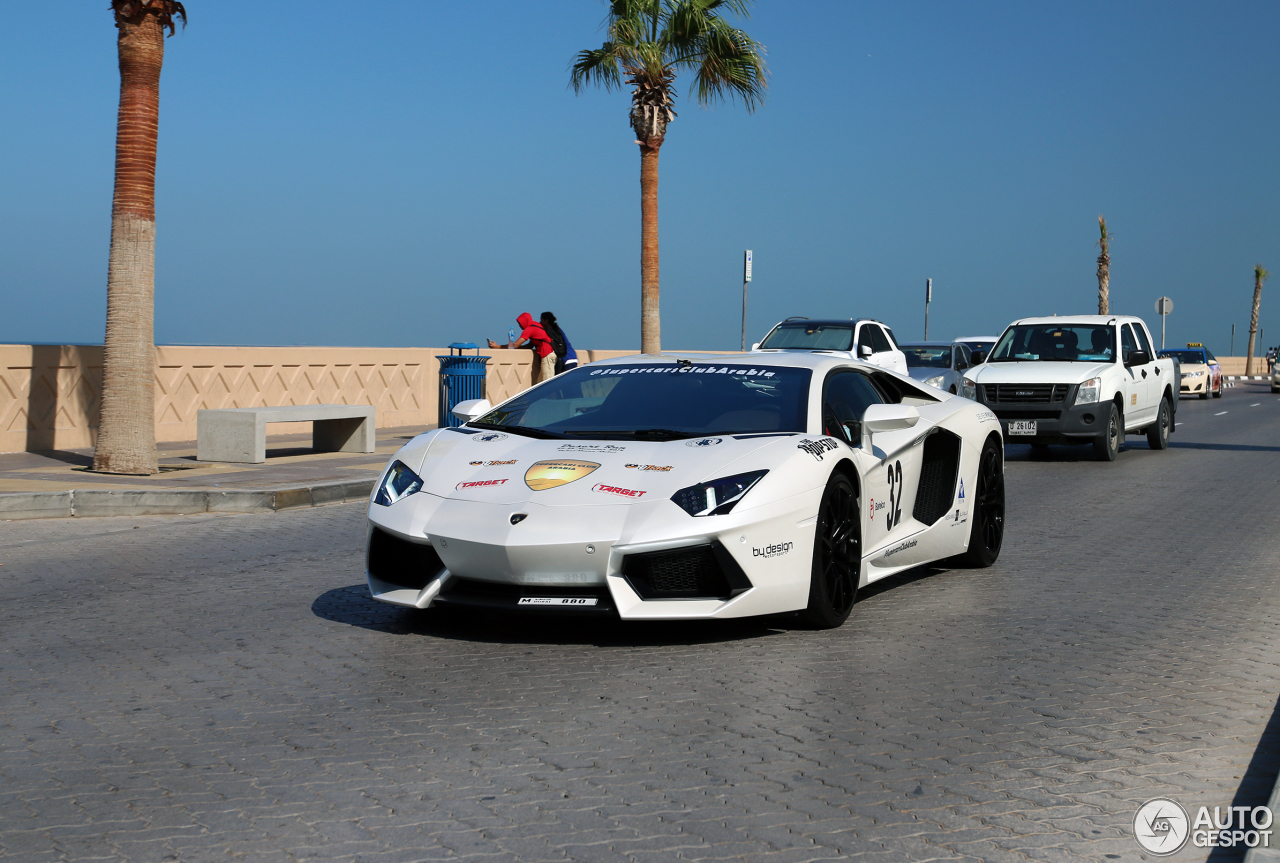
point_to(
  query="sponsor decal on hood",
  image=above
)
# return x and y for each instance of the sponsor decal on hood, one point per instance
(590, 447)
(663, 467)
(488, 437)
(613, 489)
(480, 483)
(493, 463)
(817, 448)
(706, 441)
(543, 475)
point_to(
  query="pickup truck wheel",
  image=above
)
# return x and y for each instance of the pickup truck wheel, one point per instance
(1158, 432)
(837, 556)
(986, 534)
(1107, 446)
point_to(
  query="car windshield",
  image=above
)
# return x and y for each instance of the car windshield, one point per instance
(810, 336)
(978, 346)
(927, 356)
(1055, 343)
(658, 401)
(1187, 357)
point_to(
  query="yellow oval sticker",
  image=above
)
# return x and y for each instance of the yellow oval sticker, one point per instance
(548, 474)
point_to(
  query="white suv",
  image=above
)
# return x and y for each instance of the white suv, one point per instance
(862, 339)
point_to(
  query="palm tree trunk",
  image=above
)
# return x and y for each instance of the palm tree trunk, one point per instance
(126, 431)
(1104, 269)
(650, 322)
(1253, 325)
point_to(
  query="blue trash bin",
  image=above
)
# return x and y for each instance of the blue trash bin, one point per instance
(461, 379)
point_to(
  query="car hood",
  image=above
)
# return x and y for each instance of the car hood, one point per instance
(923, 373)
(1036, 372)
(500, 467)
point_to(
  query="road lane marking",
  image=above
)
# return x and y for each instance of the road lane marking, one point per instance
(1220, 413)
(1255, 404)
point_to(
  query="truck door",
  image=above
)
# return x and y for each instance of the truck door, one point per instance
(1136, 409)
(1154, 377)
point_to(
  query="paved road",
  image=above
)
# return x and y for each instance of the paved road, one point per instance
(215, 688)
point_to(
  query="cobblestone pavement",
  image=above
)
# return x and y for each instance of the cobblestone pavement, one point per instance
(210, 688)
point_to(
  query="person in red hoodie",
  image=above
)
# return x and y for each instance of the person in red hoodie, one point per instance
(532, 333)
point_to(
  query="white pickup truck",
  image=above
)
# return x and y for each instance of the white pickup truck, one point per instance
(1076, 380)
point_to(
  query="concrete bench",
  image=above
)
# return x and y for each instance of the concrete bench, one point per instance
(240, 434)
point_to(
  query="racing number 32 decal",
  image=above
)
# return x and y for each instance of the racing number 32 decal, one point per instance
(894, 517)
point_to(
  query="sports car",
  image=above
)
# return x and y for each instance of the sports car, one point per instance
(682, 486)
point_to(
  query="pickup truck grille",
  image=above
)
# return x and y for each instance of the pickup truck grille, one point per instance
(1024, 394)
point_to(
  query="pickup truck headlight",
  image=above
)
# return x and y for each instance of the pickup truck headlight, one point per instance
(1088, 392)
(717, 496)
(935, 382)
(969, 390)
(399, 483)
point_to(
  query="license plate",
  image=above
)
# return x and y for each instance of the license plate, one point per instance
(1022, 427)
(557, 600)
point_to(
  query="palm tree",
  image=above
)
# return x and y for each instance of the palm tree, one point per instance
(1104, 268)
(127, 428)
(1259, 276)
(648, 42)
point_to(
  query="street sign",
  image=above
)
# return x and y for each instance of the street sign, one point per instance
(746, 267)
(1164, 306)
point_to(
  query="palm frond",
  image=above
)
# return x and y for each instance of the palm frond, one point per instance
(165, 10)
(731, 66)
(599, 67)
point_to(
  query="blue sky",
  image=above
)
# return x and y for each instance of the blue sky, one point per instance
(421, 175)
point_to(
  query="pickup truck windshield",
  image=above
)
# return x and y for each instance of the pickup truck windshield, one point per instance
(1067, 343)
(658, 401)
(810, 336)
(924, 356)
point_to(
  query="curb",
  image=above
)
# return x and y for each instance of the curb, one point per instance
(96, 503)
(1272, 854)
(1247, 377)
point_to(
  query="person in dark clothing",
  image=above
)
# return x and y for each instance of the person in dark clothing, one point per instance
(566, 356)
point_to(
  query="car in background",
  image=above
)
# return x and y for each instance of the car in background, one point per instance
(1078, 380)
(938, 364)
(858, 339)
(1201, 374)
(979, 346)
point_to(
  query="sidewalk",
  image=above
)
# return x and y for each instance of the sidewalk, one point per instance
(59, 484)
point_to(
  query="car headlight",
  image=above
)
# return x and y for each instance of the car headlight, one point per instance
(1194, 375)
(1087, 394)
(935, 382)
(718, 496)
(399, 483)
(968, 389)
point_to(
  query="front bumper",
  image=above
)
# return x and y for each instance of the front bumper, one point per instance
(1055, 423)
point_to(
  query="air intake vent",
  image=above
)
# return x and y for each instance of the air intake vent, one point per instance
(937, 477)
(397, 561)
(1025, 394)
(697, 572)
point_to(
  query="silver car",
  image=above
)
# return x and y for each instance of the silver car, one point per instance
(938, 364)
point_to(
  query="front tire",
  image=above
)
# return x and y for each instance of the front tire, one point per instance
(1158, 432)
(837, 556)
(1107, 446)
(986, 534)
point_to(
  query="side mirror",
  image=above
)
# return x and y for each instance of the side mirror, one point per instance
(865, 351)
(883, 418)
(978, 357)
(472, 409)
(961, 365)
(756, 346)
(1138, 358)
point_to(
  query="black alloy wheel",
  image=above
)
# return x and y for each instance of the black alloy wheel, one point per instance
(837, 555)
(1107, 446)
(1158, 432)
(986, 534)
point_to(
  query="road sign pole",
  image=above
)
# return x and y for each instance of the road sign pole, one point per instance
(928, 298)
(746, 279)
(1164, 306)
(1233, 341)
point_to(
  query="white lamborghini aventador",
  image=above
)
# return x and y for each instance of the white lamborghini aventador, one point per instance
(683, 486)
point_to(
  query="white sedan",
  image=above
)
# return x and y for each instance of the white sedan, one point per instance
(682, 486)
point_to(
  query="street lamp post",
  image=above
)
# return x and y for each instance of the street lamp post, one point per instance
(928, 298)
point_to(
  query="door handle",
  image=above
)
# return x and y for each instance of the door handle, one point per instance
(1144, 373)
